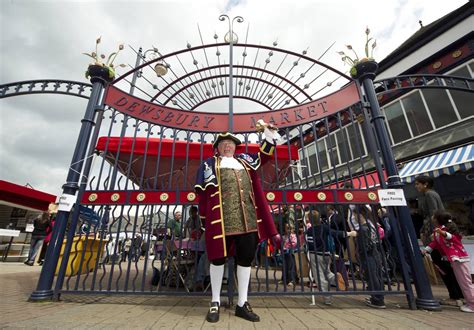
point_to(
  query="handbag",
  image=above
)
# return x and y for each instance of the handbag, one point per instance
(330, 245)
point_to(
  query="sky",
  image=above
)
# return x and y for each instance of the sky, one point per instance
(46, 39)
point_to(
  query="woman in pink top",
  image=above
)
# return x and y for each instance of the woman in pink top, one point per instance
(447, 240)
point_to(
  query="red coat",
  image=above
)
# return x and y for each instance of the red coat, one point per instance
(449, 246)
(210, 203)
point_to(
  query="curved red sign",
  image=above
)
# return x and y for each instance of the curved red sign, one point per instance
(218, 122)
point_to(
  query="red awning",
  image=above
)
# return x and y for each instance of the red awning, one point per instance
(163, 166)
(363, 181)
(24, 196)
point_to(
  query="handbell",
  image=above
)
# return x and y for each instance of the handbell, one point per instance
(261, 124)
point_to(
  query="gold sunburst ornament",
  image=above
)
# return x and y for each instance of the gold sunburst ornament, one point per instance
(115, 197)
(322, 196)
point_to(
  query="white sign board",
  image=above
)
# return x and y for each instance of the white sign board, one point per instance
(29, 228)
(9, 232)
(392, 197)
(66, 202)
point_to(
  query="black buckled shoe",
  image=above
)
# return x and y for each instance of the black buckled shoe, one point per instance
(246, 312)
(213, 313)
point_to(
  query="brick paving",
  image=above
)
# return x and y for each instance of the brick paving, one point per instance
(159, 312)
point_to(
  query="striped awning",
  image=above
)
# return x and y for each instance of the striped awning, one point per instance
(447, 162)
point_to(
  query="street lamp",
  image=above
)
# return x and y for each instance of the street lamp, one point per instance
(231, 38)
(160, 68)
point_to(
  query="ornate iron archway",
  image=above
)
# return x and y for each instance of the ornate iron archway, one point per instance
(147, 154)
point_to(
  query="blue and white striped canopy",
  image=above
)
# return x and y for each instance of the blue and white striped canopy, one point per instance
(447, 162)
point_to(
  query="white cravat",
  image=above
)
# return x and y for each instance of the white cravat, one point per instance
(230, 162)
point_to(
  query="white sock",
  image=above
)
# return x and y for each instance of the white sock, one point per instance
(243, 276)
(216, 273)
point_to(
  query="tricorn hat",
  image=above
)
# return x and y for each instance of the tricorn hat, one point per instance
(226, 136)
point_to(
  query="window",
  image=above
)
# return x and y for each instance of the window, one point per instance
(397, 123)
(464, 100)
(355, 141)
(343, 145)
(304, 164)
(416, 114)
(313, 162)
(332, 149)
(440, 107)
(323, 157)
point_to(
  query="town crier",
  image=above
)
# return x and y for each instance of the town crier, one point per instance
(235, 212)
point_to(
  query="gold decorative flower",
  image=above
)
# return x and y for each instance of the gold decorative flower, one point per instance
(322, 196)
(164, 197)
(372, 196)
(93, 197)
(270, 196)
(348, 196)
(141, 197)
(191, 196)
(298, 196)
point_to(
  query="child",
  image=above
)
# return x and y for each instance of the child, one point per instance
(289, 245)
(370, 257)
(447, 240)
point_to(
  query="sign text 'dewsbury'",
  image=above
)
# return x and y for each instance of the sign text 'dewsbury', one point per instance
(243, 122)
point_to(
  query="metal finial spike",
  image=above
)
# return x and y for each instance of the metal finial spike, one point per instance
(216, 36)
(275, 43)
(188, 45)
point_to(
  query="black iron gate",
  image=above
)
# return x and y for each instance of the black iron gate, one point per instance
(135, 164)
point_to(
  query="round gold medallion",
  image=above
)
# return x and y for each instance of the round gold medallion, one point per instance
(437, 65)
(457, 53)
(270, 196)
(141, 197)
(115, 197)
(164, 197)
(93, 197)
(191, 196)
(372, 196)
(298, 196)
(348, 196)
(322, 196)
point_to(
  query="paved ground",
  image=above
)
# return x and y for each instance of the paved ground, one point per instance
(144, 312)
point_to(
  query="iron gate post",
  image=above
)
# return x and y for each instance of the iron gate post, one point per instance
(365, 74)
(82, 188)
(44, 288)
